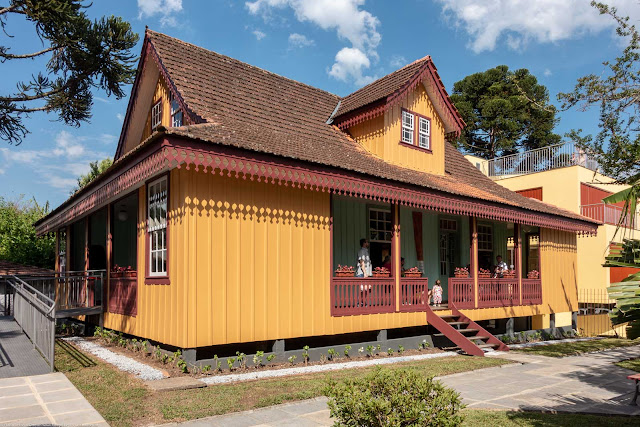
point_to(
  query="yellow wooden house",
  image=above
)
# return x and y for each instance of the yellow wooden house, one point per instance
(237, 196)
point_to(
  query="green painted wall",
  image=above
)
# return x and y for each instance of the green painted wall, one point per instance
(349, 226)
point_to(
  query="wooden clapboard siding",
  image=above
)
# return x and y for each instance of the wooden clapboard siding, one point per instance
(381, 135)
(558, 259)
(161, 94)
(533, 193)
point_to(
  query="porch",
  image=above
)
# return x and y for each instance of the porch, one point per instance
(411, 248)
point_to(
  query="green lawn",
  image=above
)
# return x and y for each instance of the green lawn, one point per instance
(579, 347)
(479, 418)
(123, 400)
(633, 364)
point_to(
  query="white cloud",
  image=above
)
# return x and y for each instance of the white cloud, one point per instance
(259, 34)
(518, 22)
(350, 65)
(166, 10)
(547, 72)
(300, 40)
(106, 138)
(67, 145)
(351, 23)
(1, 171)
(397, 61)
(120, 117)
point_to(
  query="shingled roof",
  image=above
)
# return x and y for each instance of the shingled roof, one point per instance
(250, 108)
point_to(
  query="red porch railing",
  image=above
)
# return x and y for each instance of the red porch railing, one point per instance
(461, 292)
(413, 293)
(531, 291)
(498, 293)
(353, 295)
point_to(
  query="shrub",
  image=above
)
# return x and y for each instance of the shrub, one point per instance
(305, 354)
(346, 350)
(400, 349)
(332, 354)
(242, 359)
(292, 359)
(271, 357)
(217, 363)
(257, 358)
(393, 398)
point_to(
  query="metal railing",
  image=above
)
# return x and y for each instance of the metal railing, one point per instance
(538, 160)
(609, 214)
(35, 313)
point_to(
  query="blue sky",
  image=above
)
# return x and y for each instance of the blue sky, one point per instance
(336, 45)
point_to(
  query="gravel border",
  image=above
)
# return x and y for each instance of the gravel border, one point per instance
(231, 378)
(541, 343)
(124, 363)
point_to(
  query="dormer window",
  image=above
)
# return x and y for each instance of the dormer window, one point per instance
(176, 113)
(156, 115)
(416, 130)
(407, 127)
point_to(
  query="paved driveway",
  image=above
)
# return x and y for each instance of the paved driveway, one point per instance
(586, 384)
(48, 399)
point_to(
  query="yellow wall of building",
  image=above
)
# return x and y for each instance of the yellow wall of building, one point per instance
(558, 270)
(564, 319)
(381, 135)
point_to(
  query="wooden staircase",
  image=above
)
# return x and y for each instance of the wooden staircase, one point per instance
(466, 334)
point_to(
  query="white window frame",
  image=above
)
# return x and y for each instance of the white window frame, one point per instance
(177, 117)
(408, 127)
(156, 115)
(157, 204)
(424, 135)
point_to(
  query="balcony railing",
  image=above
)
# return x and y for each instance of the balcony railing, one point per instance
(414, 293)
(354, 295)
(538, 160)
(609, 214)
(494, 292)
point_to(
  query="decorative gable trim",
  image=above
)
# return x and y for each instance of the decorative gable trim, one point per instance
(427, 73)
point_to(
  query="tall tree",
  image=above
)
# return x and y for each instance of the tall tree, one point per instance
(616, 92)
(83, 55)
(18, 241)
(505, 111)
(95, 169)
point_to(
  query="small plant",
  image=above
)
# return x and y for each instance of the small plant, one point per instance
(332, 354)
(305, 354)
(425, 344)
(292, 359)
(98, 332)
(393, 398)
(217, 363)
(145, 346)
(347, 348)
(323, 359)
(158, 352)
(400, 349)
(389, 351)
(271, 357)
(182, 365)
(242, 359)
(257, 358)
(370, 350)
(206, 369)
(164, 359)
(122, 342)
(176, 356)
(361, 351)
(134, 344)
(230, 362)
(379, 347)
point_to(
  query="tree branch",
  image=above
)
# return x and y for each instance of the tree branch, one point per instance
(8, 9)
(28, 55)
(30, 110)
(32, 97)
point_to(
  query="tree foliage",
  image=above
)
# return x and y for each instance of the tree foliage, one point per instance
(616, 92)
(83, 55)
(96, 168)
(627, 292)
(505, 111)
(18, 241)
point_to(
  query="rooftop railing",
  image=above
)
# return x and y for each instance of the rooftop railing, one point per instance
(538, 160)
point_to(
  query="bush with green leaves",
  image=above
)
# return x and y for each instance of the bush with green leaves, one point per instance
(271, 357)
(347, 348)
(305, 354)
(393, 398)
(257, 358)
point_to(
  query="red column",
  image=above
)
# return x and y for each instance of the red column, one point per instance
(473, 225)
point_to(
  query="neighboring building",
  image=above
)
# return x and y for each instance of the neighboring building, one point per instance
(564, 176)
(235, 194)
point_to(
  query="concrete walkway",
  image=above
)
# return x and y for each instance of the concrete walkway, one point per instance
(49, 399)
(585, 384)
(18, 357)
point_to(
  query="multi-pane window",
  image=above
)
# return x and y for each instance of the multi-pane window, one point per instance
(485, 238)
(448, 224)
(176, 113)
(424, 132)
(379, 225)
(407, 127)
(156, 115)
(157, 227)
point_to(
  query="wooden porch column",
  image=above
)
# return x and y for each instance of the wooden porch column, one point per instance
(57, 262)
(517, 245)
(106, 287)
(473, 225)
(395, 251)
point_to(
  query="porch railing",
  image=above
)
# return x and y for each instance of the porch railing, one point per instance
(461, 292)
(531, 291)
(541, 159)
(609, 214)
(35, 313)
(123, 295)
(498, 293)
(414, 293)
(353, 295)
(503, 292)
